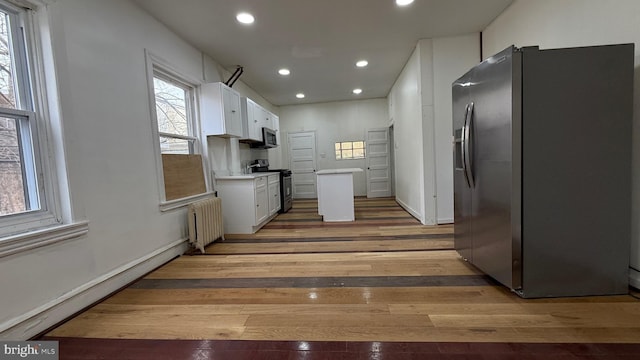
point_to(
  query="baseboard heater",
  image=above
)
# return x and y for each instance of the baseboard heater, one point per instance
(205, 222)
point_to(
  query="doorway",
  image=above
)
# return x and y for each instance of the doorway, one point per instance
(302, 162)
(378, 162)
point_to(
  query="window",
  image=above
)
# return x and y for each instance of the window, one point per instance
(347, 150)
(174, 106)
(26, 201)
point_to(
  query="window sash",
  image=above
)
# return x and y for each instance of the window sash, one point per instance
(167, 148)
(189, 91)
(41, 210)
(346, 150)
(18, 50)
(37, 213)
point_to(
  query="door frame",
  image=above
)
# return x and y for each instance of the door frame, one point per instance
(315, 157)
(368, 160)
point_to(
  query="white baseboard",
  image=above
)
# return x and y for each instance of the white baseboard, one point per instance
(445, 221)
(408, 208)
(634, 278)
(40, 319)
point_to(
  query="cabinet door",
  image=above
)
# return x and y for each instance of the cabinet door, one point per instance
(276, 127)
(231, 110)
(211, 109)
(251, 115)
(255, 130)
(274, 198)
(262, 200)
(266, 119)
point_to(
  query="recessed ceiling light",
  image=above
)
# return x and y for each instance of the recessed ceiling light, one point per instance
(245, 18)
(300, 95)
(284, 72)
(362, 63)
(403, 2)
(357, 91)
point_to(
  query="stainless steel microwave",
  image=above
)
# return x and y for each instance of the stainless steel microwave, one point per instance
(269, 138)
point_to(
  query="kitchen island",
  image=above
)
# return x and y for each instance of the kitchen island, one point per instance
(335, 194)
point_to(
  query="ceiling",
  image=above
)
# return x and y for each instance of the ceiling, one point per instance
(319, 41)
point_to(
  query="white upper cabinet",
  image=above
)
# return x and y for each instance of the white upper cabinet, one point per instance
(220, 110)
(251, 123)
(254, 118)
(267, 119)
(276, 127)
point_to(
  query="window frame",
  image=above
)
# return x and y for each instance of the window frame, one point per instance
(364, 150)
(31, 109)
(157, 65)
(189, 89)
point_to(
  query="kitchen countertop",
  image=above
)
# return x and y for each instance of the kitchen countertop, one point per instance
(246, 176)
(338, 171)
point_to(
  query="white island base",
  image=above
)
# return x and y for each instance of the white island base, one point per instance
(335, 194)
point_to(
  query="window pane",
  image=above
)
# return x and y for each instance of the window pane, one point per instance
(7, 86)
(358, 153)
(12, 183)
(337, 146)
(346, 145)
(170, 145)
(358, 144)
(171, 107)
(347, 154)
(338, 155)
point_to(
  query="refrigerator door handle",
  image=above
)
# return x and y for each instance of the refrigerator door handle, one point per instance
(463, 142)
(467, 157)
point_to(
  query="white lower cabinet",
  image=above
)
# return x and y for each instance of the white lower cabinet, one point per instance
(274, 194)
(262, 199)
(248, 201)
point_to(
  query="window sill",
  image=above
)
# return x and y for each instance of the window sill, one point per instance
(34, 239)
(178, 203)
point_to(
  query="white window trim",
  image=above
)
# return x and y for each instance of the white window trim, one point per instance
(52, 224)
(34, 239)
(155, 63)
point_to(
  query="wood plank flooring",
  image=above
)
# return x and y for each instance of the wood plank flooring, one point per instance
(382, 278)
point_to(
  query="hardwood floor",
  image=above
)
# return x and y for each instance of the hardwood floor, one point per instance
(384, 279)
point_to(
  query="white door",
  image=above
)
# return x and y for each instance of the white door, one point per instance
(378, 163)
(302, 157)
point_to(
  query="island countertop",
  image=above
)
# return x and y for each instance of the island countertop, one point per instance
(338, 171)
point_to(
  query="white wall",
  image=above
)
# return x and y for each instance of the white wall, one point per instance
(333, 122)
(420, 106)
(425, 48)
(99, 52)
(406, 113)
(569, 23)
(452, 57)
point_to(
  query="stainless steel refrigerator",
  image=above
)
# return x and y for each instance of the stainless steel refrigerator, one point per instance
(542, 154)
